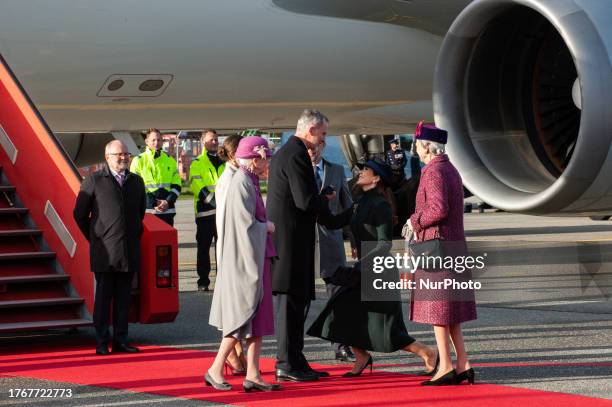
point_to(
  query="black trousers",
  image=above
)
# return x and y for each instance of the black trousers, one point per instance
(167, 217)
(206, 231)
(112, 288)
(290, 315)
(331, 290)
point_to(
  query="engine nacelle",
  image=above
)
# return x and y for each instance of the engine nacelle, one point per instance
(524, 88)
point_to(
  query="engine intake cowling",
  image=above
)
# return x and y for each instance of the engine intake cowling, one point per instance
(524, 88)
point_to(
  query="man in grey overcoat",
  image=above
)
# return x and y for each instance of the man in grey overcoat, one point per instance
(329, 247)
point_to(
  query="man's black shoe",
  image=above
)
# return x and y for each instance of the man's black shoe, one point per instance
(124, 348)
(317, 373)
(294, 376)
(345, 355)
(102, 350)
(203, 288)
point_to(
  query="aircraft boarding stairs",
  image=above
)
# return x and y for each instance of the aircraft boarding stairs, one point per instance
(45, 277)
(34, 293)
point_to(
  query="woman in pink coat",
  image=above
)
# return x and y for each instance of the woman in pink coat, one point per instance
(439, 215)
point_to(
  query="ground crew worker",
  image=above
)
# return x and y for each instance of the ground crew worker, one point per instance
(203, 175)
(160, 174)
(396, 159)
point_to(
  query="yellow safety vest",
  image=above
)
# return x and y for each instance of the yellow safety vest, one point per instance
(202, 174)
(157, 173)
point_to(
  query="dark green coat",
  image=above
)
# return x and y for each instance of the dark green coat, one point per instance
(372, 325)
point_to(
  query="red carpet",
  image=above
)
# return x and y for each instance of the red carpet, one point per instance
(174, 372)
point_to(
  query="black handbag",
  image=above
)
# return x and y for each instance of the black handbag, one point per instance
(435, 252)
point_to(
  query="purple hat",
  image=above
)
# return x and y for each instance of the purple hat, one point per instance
(253, 147)
(430, 132)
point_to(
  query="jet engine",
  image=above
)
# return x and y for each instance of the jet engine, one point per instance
(524, 88)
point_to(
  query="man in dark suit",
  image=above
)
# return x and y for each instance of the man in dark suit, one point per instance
(294, 205)
(109, 211)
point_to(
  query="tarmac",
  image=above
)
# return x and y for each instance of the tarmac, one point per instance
(544, 313)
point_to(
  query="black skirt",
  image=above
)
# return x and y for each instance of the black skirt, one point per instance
(372, 325)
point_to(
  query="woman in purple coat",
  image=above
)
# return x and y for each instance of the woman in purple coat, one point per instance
(439, 215)
(242, 301)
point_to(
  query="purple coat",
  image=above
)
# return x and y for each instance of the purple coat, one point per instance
(263, 320)
(439, 202)
(439, 215)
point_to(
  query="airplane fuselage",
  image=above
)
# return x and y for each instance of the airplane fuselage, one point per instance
(224, 64)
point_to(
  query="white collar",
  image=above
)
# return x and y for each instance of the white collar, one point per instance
(320, 165)
(115, 173)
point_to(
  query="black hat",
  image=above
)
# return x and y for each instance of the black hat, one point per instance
(394, 140)
(381, 169)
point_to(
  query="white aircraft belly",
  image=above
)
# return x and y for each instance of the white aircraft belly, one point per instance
(239, 63)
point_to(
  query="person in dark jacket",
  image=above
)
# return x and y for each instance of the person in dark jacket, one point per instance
(294, 205)
(329, 247)
(109, 211)
(377, 323)
(396, 159)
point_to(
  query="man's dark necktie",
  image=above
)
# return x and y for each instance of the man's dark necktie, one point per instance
(318, 177)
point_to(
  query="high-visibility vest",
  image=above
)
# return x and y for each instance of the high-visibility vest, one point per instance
(159, 173)
(203, 177)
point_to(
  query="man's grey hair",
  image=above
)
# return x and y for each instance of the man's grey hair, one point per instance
(433, 147)
(109, 145)
(310, 118)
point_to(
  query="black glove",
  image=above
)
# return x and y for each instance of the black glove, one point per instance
(346, 276)
(328, 190)
(335, 221)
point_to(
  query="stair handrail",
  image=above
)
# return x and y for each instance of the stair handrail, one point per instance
(49, 182)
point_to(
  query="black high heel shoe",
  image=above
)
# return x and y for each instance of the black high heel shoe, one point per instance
(249, 386)
(446, 380)
(435, 369)
(234, 372)
(468, 375)
(370, 363)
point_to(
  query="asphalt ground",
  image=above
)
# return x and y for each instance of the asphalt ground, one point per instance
(544, 314)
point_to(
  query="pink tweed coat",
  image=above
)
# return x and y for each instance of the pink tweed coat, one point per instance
(439, 215)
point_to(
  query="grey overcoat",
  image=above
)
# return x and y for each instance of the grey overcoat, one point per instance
(329, 248)
(241, 247)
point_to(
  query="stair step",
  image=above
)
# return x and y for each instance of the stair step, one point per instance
(27, 255)
(20, 232)
(40, 302)
(9, 211)
(36, 278)
(38, 325)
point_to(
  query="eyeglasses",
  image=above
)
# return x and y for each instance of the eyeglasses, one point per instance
(120, 155)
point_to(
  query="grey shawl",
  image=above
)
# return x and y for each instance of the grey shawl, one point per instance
(241, 246)
(220, 194)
